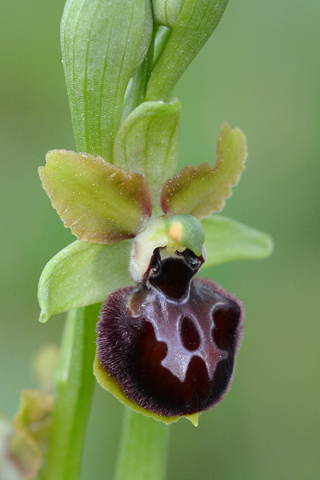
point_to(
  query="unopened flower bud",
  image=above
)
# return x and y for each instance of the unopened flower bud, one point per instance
(166, 11)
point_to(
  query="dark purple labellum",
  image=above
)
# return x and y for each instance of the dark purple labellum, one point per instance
(171, 354)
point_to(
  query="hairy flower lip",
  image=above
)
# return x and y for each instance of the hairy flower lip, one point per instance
(140, 352)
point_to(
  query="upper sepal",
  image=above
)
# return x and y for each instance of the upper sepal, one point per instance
(201, 190)
(99, 201)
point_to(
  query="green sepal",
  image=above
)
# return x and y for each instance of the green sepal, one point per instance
(99, 201)
(82, 274)
(196, 22)
(148, 142)
(108, 383)
(201, 190)
(102, 42)
(165, 12)
(226, 240)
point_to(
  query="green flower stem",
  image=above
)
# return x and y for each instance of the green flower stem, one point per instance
(74, 385)
(143, 449)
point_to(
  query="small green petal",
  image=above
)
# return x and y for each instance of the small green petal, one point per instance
(108, 383)
(148, 142)
(201, 190)
(102, 44)
(99, 201)
(82, 274)
(195, 24)
(226, 240)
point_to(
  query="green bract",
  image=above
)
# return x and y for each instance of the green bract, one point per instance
(103, 42)
(148, 143)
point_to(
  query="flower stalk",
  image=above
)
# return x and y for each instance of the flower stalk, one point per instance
(143, 448)
(74, 385)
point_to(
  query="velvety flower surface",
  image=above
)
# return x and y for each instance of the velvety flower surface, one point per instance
(170, 343)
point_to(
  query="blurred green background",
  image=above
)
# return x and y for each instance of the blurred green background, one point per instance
(260, 71)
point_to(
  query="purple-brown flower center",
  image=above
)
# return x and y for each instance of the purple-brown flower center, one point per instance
(170, 343)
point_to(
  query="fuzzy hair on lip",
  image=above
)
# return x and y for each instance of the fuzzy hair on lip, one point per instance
(169, 356)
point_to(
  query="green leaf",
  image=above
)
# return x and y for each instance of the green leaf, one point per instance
(201, 190)
(99, 201)
(196, 22)
(82, 274)
(226, 240)
(148, 142)
(102, 42)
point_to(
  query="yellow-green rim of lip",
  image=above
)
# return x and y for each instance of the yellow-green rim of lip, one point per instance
(108, 383)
